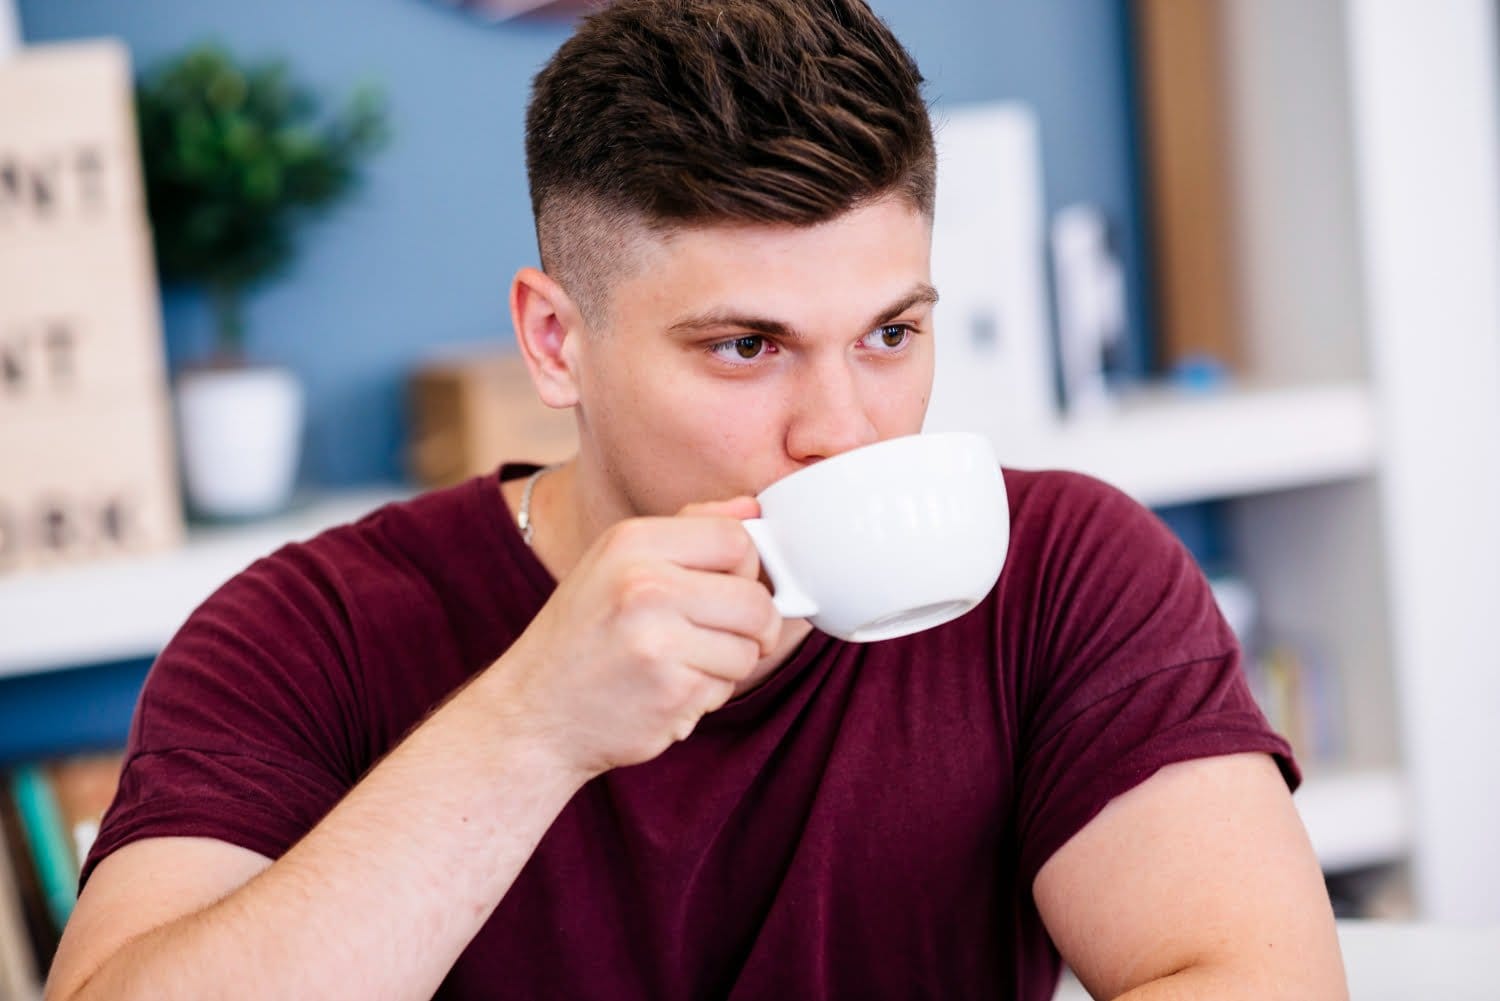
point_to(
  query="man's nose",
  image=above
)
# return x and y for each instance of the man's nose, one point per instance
(830, 415)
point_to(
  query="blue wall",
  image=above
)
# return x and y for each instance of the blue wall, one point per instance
(424, 253)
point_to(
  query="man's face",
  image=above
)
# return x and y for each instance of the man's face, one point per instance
(736, 355)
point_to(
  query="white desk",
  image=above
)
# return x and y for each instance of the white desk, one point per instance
(1393, 961)
(125, 608)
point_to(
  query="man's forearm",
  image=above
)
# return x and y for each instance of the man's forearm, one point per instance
(383, 895)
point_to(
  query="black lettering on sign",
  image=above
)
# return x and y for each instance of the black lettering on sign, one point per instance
(10, 536)
(10, 183)
(116, 522)
(58, 525)
(60, 346)
(53, 185)
(58, 532)
(44, 185)
(12, 363)
(90, 167)
(40, 356)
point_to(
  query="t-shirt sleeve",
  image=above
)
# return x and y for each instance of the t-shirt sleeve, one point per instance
(1131, 666)
(242, 728)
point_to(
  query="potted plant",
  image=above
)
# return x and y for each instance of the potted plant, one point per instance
(236, 158)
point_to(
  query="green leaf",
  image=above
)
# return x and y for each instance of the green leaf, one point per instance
(237, 160)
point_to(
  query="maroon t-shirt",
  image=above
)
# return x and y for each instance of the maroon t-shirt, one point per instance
(866, 824)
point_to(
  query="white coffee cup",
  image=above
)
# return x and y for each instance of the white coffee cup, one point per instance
(888, 539)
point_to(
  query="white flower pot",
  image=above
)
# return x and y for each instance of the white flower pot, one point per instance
(240, 432)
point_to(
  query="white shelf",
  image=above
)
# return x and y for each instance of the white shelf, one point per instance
(1398, 961)
(74, 616)
(1355, 819)
(1171, 447)
(1163, 448)
(120, 609)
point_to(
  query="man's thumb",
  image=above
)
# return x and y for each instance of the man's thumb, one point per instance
(736, 507)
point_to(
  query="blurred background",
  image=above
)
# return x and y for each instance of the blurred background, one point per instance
(1238, 257)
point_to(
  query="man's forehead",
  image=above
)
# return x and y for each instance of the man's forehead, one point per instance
(824, 274)
(881, 239)
(890, 212)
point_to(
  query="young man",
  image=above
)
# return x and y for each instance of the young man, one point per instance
(581, 756)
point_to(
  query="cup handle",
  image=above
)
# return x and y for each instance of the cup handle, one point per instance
(791, 601)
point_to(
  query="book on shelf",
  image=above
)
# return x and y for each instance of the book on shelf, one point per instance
(1298, 690)
(39, 936)
(1179, 54)
(47, 838)
(49, 815)
(1295, 683)
(18, 970)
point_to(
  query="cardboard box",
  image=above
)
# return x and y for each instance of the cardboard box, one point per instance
(470, 412)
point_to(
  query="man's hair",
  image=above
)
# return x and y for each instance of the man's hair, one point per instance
(659, 114)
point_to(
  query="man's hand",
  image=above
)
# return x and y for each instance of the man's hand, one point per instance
(655, 627)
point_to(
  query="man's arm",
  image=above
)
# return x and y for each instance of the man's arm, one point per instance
(1198, 883)
(656, 626)
(377, 901)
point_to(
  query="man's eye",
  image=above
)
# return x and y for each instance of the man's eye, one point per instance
(891, 336)
(746, 348)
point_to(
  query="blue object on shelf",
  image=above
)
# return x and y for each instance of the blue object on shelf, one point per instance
(48, 838)
(1200, 373)
(60, 712)
(1203, 527)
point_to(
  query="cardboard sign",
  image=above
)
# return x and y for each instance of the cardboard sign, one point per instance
(79, 321)
(92, 482)
(86, 450)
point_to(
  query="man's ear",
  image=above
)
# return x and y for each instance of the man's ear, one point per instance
(547, 324)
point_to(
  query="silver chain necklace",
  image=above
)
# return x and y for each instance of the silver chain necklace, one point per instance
(523, 517)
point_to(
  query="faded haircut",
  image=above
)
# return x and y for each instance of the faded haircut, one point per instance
(661, 114)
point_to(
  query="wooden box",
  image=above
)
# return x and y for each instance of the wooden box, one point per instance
(472, 411)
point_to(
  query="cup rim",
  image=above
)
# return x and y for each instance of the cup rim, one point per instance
(831, 465)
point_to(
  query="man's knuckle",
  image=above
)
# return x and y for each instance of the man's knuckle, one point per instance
(644, 646)
(640, 588)
(677, 691)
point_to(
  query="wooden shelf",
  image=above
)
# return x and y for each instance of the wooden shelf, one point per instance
(1168, 447)
(128, 608)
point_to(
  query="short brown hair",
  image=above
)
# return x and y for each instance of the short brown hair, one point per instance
(666, 113)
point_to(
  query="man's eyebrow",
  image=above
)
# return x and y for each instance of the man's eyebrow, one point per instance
(922, 294)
